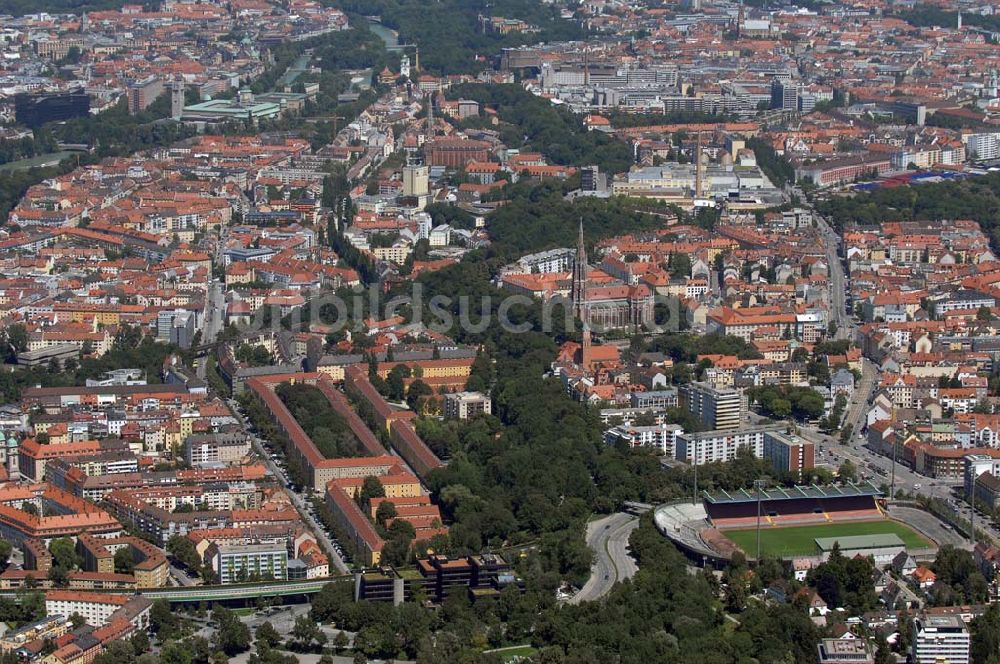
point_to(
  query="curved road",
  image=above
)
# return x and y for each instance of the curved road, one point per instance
(929, 525)
(608, 537)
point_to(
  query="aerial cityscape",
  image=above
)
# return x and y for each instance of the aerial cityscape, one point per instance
(499, 332)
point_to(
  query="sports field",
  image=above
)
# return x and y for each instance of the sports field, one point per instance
(794, 541)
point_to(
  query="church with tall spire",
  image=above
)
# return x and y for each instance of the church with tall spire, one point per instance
(603, 302)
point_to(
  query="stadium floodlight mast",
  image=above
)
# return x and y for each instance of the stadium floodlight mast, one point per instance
(892, 480)
(758, 485)
(972, 513)
(694, 499)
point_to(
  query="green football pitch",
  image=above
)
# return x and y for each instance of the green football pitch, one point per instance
(792, 541)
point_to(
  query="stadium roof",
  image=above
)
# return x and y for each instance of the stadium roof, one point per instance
(830, 491)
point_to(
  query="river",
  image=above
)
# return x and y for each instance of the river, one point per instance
(40, 161)
(294, 70)
(388, 36)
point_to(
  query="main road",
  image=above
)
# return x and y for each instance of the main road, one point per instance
(838, 279)
(608, 538)
(858, 405)
(215, 312)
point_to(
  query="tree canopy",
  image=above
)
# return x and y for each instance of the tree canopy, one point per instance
(327, 428)
(976, 198)
(553, 130)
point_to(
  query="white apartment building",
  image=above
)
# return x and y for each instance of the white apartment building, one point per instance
(715, 408)
(976, 465)
(98, 608)
(940, 639)
(463, 405)
(660, 437)
(982, 146)
(234, 563)
(710, 446)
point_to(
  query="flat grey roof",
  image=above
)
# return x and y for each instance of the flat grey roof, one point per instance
(852, 542)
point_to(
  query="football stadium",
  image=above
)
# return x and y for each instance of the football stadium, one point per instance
(794, 522)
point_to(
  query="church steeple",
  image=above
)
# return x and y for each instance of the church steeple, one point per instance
(579, 288)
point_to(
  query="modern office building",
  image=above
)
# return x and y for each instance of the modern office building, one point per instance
(437, 577)
(939, 639)
(845, 651)
(244, 107)
(415, 181)
(176, 326)
(591, 179)
(176, 99)
(35, 110)
(784, 95)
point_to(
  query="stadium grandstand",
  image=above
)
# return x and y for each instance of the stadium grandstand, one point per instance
(799, 505)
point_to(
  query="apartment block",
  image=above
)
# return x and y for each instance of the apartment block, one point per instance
(659, 437)
(788, 452)
(785, 452)
(716, 408)
(717, 445)
(654, 399)
(464, 405)
(236, 563)
(216, 448)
